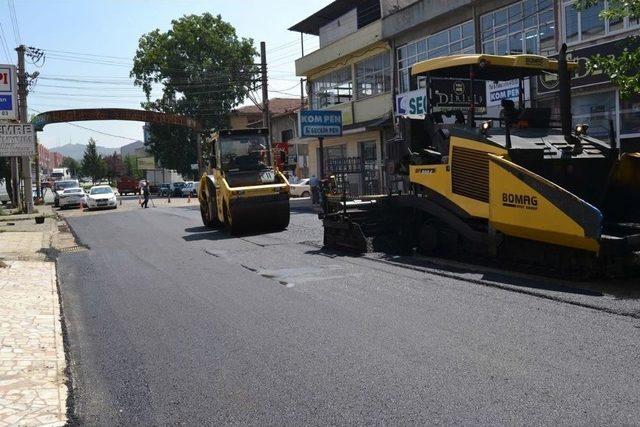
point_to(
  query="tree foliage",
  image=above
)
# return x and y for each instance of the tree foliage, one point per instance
(72, 164)
(114, 167)
(205, 70)
(131, 167)
(174, 146)
(624, 69)
(93, 165)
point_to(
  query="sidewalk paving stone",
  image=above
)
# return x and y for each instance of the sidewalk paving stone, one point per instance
(33, 389)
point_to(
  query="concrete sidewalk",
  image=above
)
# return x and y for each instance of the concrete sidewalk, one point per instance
(33, 384)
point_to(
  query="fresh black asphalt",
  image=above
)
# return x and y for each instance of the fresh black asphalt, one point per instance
(171, 323)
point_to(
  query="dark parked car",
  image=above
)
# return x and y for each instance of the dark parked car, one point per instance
(176, 189)
(164, 190)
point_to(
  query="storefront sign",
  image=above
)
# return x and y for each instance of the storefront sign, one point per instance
(412, 104)
(146, 163)
(446, 94)
(585, 75)
(17, 140)
(455, 94)
(497, 91)
(8, 93)
(320, 123)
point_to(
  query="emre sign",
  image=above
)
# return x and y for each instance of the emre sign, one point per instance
(17, 140)
(320, 123)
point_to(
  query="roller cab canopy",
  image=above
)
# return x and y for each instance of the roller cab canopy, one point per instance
(488, 67)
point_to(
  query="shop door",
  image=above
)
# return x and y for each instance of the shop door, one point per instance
(370, 176)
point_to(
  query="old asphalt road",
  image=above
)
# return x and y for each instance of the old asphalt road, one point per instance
(171, 323)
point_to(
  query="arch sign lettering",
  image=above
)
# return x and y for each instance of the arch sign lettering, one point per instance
(78, 115)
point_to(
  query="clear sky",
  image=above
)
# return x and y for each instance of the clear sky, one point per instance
(71, 31)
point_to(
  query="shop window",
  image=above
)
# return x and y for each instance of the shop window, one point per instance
(596, 110)
(332, 89)
(457, 39)
(373, 76)
(587, 24)
(502, 30)
(591, 24)
(630, 116)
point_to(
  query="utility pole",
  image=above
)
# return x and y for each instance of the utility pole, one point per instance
(266, 116)
(15, 183)
(22, 97)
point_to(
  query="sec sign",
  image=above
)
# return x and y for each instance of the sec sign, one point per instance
(8, 93)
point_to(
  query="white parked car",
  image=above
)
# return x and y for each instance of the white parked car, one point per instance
(60, 186)
(101, 197)
(190, 187)
(301, 189)
(70, 197)
(4, 196)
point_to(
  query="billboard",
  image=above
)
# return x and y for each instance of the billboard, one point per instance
(8, 93)
(412, 104)
(17, 140)
(146, 163)
(320, 123)
(497, 91)
(446, 94)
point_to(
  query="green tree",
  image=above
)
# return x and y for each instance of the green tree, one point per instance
(93, 164)
(624, 69)
(72, 164)
(205, 70)
(131, 167)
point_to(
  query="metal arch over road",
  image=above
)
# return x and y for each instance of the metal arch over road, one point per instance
(85, 114)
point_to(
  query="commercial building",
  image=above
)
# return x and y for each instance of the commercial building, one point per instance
(284, 128)
(351, 72)
(48, 160)
(425, 29)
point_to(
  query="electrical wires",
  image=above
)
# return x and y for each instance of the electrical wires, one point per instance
(14, 22)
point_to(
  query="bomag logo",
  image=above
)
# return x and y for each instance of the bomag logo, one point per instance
(520, 201)
(425, 171)
(533, 61)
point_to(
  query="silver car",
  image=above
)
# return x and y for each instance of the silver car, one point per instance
(71, 197)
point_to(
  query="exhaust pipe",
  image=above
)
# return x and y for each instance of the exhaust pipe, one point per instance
(564, 83)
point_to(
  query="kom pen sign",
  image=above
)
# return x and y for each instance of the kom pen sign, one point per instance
(17, 140)
(320, 123)
(8, 93)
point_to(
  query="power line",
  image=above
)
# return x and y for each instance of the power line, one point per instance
(5, 48)
(14, 22)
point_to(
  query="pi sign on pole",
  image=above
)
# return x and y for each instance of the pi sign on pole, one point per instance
(8, 93)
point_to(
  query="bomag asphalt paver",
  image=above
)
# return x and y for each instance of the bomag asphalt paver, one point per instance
(240, 190)
(513, 187)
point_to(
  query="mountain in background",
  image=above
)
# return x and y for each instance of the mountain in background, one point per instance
(76, 151)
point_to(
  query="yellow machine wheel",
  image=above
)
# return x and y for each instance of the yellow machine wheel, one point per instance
(208, 208)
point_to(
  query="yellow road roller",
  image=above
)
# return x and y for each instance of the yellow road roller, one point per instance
(240, 189)
(518, 188)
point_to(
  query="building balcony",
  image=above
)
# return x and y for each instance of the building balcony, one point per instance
(339, 49)
(419, 12)
(364, 110)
